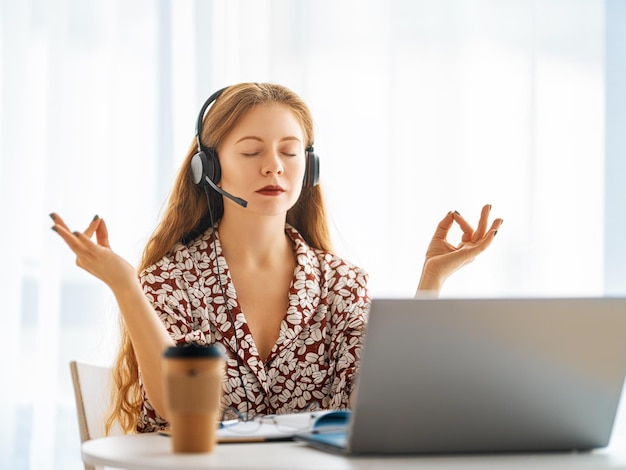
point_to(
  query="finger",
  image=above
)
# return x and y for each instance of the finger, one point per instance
(58, 221)
(67, 236)
(497, 223)
(102, 234)
(495, 226)
(444, 226)
(466, 228)
(93, 225)
(78, 245)
(64, 232)
(482, 223)
(486, 241)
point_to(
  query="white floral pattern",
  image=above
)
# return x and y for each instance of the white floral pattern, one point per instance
(317, 353)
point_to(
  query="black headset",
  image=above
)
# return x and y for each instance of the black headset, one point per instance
(205, 165)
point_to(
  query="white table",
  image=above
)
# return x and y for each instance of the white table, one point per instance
(152, 452)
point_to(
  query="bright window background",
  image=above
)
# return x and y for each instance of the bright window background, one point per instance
(421, 107)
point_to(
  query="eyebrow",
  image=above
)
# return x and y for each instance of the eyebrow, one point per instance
(258, 139)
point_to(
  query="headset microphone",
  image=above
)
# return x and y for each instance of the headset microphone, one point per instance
(238, 200)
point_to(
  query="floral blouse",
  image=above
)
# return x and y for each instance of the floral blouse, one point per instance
(316, 356)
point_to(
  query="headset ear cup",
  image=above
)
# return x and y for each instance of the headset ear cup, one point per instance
(312, 171)
(197, 168)
(205, 164)
(213, 168)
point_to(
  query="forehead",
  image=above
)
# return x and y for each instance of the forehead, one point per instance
(267, 121)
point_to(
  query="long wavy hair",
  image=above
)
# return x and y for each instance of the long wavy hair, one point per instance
(186, 216)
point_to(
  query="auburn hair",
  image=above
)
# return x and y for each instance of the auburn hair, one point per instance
(186, 216)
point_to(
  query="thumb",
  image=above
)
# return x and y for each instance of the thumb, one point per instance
(102, 234)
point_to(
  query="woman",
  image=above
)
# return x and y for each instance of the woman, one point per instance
(242, 257)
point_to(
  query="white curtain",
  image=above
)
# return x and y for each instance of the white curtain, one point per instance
(421, 107)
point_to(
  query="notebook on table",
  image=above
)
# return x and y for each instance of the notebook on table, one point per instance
(486, 375)
(281, 427)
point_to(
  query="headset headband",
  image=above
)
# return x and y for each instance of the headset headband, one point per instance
(206, 104)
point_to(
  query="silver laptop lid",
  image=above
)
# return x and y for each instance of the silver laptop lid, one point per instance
(475, 375)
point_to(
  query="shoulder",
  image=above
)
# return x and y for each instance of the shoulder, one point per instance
(332, 264)
(182, 259)
(335, 270)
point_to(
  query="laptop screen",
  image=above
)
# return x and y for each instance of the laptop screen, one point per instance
(464, 375)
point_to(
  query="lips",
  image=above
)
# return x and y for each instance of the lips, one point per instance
(271, 190)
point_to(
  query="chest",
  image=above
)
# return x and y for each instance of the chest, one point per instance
(264, 297)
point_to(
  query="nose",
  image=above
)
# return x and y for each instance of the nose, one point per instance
(272, 164)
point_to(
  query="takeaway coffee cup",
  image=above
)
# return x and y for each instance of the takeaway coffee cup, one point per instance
(192, 377)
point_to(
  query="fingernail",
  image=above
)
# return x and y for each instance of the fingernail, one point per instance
(52, 216)
(495, 233)
(457, 212)
(489, 207)
(95, 217)
(54, 228)
(76, 234)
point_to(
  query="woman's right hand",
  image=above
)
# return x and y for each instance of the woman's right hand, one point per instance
(147, 333)
(96, 258)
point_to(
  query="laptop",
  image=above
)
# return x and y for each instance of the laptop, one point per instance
(485, 375)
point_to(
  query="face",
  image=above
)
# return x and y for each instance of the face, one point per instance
(262, 160)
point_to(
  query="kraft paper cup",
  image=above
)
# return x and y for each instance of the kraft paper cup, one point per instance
(192, 377)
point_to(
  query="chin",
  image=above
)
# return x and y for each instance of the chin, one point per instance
(267, 211)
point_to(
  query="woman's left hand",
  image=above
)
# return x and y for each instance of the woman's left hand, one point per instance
(443, 259)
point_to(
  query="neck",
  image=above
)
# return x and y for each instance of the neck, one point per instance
(255, 240)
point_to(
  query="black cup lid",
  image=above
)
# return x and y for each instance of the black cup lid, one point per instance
(191, 350)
